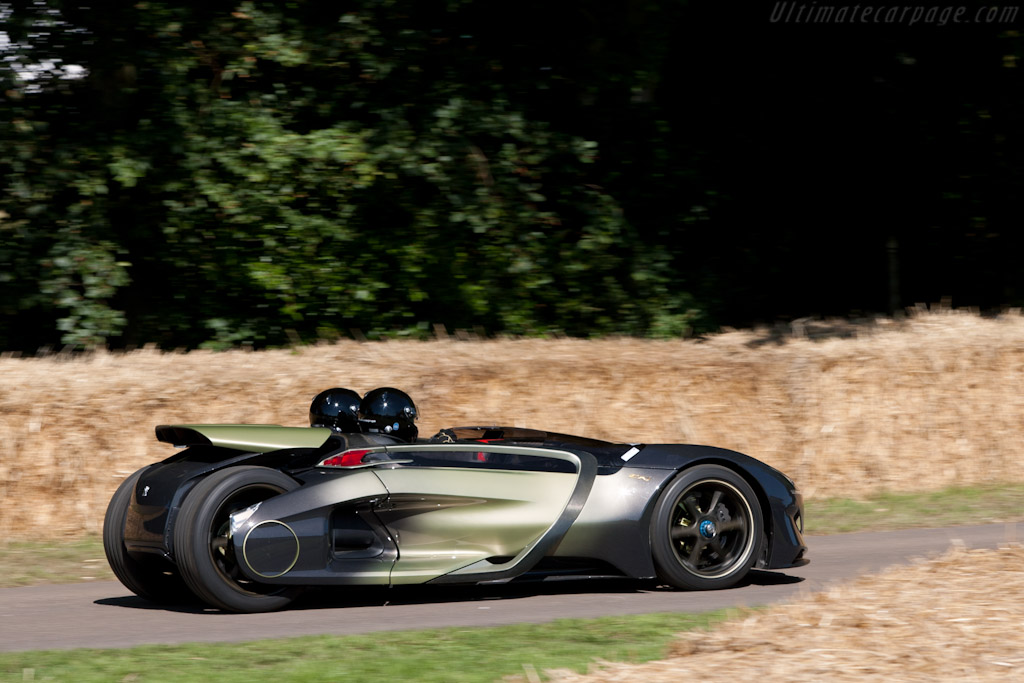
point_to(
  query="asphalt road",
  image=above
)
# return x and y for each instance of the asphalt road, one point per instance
(106, 615)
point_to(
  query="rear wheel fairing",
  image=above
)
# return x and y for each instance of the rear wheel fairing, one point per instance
(327, 516)
(147, 575)
(159, 492)
(162, 487)
(208, 562)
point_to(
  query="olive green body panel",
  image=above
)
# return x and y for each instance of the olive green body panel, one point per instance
(249, 438)
(443, 521)
(450, 518)
(570, 490)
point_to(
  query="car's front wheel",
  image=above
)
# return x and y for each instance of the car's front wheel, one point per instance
(205, 550)
(706, 528)
(148, 576)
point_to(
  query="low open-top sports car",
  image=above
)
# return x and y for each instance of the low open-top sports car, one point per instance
(246, 516)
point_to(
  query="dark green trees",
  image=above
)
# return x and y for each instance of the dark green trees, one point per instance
(251, 172)
(256, 172)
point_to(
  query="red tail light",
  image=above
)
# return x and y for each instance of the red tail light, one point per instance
(346, 459)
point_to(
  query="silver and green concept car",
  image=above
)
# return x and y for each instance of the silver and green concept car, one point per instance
(246, 516)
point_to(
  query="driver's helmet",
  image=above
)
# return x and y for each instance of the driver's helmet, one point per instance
(388, 411)
(337, 409)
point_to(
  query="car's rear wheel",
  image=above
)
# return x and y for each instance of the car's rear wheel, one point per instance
(205, 550)
(706, 528)
(148, 576)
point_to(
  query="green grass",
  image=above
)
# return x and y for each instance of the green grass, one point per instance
(450, 655)
(890, 511)
(27, 564)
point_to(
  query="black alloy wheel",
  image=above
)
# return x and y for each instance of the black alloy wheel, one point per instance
(706, 529)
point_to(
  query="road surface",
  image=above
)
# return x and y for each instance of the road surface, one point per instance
(106, 615)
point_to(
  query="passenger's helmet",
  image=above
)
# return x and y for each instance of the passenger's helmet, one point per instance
(335, 408)
(388, 411)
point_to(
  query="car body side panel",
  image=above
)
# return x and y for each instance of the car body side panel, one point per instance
(613, 525)
(447, 519)
(443, 517)
(548, 489)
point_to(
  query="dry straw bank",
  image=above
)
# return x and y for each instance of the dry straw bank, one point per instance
(920, 404)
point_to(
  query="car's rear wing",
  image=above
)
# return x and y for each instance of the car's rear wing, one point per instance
(251, 438)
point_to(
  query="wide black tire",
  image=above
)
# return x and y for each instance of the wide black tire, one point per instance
(706, 529)
(205, 553)
(148, 576)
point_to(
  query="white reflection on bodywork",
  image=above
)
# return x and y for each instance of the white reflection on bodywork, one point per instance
(239, 518)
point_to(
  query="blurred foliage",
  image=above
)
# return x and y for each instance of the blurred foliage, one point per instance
(228, 173)
(233, 173)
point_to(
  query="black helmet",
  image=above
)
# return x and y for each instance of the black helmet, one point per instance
(388, 411)
(335, 408)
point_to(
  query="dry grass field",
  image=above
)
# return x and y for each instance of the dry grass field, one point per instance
(919, 404)
(953, 618)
